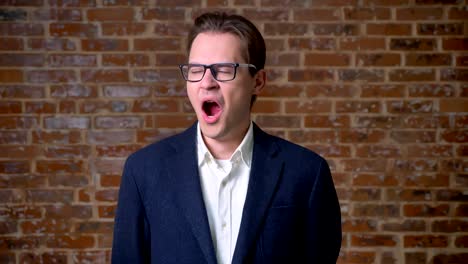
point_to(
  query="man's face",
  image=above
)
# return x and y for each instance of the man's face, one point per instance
(222, 108)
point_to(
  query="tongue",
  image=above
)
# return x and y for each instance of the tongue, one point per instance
(211, 108)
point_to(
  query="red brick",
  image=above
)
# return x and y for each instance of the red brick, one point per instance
(106, 211)
(376, 60)
(48, 257)
(316, 106)
(92, 256)
(410, 106)
(431, 151)
(419, 13)
(40, 107)
(461, 242)
(362, 43)
(49, 196)
(459, 44)
(105, 45)
(103, 76)
(14, 166)
(373, 240)
(440, 29)
(125, 60)
(309, 75)
(330, 150)
(158, 75)
(173, 121)
(110, 137)
(71, 60)
(322, 59)
(356, 257)
(110, 14)
(12, 107)
(116, 150)
(11, 76)
(378, 151)
(312, 136)
(171, 29)
(418, 44)
(425, 241)
(71, 242)
(300, 44)
(349, 106)
(285, 28)
(450, 258)
(67, 122)
(22, 181)
(353, 165)
(316, 14)
(335, 29)
(18, 152)
(59, 166)
(424, 210)
(453, 105)
(51, 76)
(449, 226)
(361, 136)
(405, 137)
(22, 29)
(19, 243)
(382, 90)
(374, 179)
(157, 44)
(11, 44)
(118, 122)
(359, 225)
(163, 13)
(55, 44)
(49, 226)
(67, 211)
(411, 195)
(152, 135)
(55, 14)
(458, 12)
(21, 60)
(102, 106)
(365, 75)
(21, 212)
(70, 29)
(318, 121)
(405, 226)
(389, 29)
(108, 166)
(110, 180)
(278, 121)
(376, 210)
(362, 13)
(56, 137)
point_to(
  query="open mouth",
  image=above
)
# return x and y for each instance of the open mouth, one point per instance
(211, 111)
(211, 108)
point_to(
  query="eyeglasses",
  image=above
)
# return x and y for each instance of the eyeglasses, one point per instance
(222, 72)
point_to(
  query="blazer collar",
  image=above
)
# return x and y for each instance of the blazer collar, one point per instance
(266, 170)
(182, 170)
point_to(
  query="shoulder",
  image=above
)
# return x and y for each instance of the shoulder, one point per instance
(164, 148)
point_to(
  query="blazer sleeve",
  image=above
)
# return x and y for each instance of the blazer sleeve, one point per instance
(131, 231)
(324, 219)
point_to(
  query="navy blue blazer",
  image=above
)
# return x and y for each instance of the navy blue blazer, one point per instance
(291, 212)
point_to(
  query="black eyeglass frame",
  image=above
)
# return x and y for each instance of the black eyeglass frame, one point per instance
(213, 71)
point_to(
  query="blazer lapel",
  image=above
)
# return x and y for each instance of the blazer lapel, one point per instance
(185, 184)
(264, 176)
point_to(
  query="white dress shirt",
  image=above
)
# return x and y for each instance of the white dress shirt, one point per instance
(224, 185)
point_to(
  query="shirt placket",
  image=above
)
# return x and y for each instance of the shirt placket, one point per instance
(224, 214)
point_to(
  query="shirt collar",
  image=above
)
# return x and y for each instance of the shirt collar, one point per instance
(245, 148)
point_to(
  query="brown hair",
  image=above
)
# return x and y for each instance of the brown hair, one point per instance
(253, 43)
(249, 35)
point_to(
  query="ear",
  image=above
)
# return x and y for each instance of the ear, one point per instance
(260, 81)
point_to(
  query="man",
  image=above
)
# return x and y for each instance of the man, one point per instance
(224, 191)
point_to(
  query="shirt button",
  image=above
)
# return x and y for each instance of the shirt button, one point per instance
(223, 225)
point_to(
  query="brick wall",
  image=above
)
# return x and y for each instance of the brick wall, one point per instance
(378, 87)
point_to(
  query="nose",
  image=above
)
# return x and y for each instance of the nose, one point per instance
(208, 81)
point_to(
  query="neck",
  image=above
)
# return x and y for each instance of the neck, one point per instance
(224, 148)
